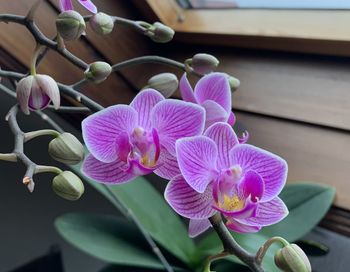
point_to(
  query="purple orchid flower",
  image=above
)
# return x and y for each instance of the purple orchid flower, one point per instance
(128, 141)
(214, 94)
(68, 5)
(219, 174)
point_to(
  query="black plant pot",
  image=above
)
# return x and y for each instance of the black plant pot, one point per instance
(52, 262)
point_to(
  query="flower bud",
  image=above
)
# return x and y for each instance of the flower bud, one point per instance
(70, 25)
(234, 83)
(68, 186)
(98, 71)
(203, 63)
(165, 83)
(36, 92)
(101, 23)
(292, 258)
(160, 33)
(67, 149)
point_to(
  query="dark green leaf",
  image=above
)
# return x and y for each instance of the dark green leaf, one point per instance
(150, 208)
(108, 238)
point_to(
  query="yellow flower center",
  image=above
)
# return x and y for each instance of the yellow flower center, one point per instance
(232, 204)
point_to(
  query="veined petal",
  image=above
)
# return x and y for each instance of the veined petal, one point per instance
(241, 228)
(267, 213)
(251, 186)
(272, 168)
(198, 226)
(231, 119)
(49, 86)
(214, 86)
(101, 130)
(168, 167)
(186, 201)
(186, 90)
(23, 91)
(88, 5)
(197, 158)
(66, 5)
(214, 113)
(143, 103)
(108, 173)
(175, 119)
(225, 138)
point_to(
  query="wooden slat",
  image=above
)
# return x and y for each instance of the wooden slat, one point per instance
(313, 154)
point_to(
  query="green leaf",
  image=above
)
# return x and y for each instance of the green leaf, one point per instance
(307, 203)
(152, 211)
(108, 238)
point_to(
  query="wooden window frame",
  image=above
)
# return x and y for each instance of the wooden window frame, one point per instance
(310, 31)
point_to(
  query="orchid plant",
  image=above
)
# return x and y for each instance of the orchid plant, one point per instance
(213, 177)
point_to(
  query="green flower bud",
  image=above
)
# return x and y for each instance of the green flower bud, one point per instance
(165, 83)
(70, 25)
(234, 83)
(98, 71)
(101, 23)
(67, 149)
(68, 186)
(160, 33)
(292, 258)
(203, 63)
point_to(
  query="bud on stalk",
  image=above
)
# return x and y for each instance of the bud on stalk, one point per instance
(70, 25)
(203, 63)
(292, 258)
(68, 186)
(165, 83)
(98, 71)
(158, 32)
(101, 23)
(67, 149)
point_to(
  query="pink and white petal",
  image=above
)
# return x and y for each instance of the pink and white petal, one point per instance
(49, 86)
(268, 213)
(23, 91)
(241, 228)
(214, 86)
(143, 103)
(252, 185)
(66, 5)
(168, 167)
(175, 119)
(102, 129)
(186, 90)
(187, 202)
(225, 138)
(108, 173)
(198, 226)
(197, 158)
(231, 119)
(88, 5)
(272, 168)
(213, 113)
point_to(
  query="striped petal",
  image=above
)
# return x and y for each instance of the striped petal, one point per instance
(198, 226)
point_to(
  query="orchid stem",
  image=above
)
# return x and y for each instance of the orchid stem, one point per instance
(34, 59)
(265, 247)
(33, 134)
(214, 258)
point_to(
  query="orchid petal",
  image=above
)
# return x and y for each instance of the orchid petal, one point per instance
(66, 5)
(216, 87)
(245, 137)
(174, 119)
(136, 168)
(213, 113)
(198, 226)
(23, 91)
(102, 129)
(186, 90)
(108, 173)
(186, 201)
(231, 119)
(268, 213)
(270, 167)
(197, 158)
(225, 138)
(88, 5)
(143, 103)
(241, 228)
(251, 186)
(168, 167)
(248, 210)
(49, 86)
